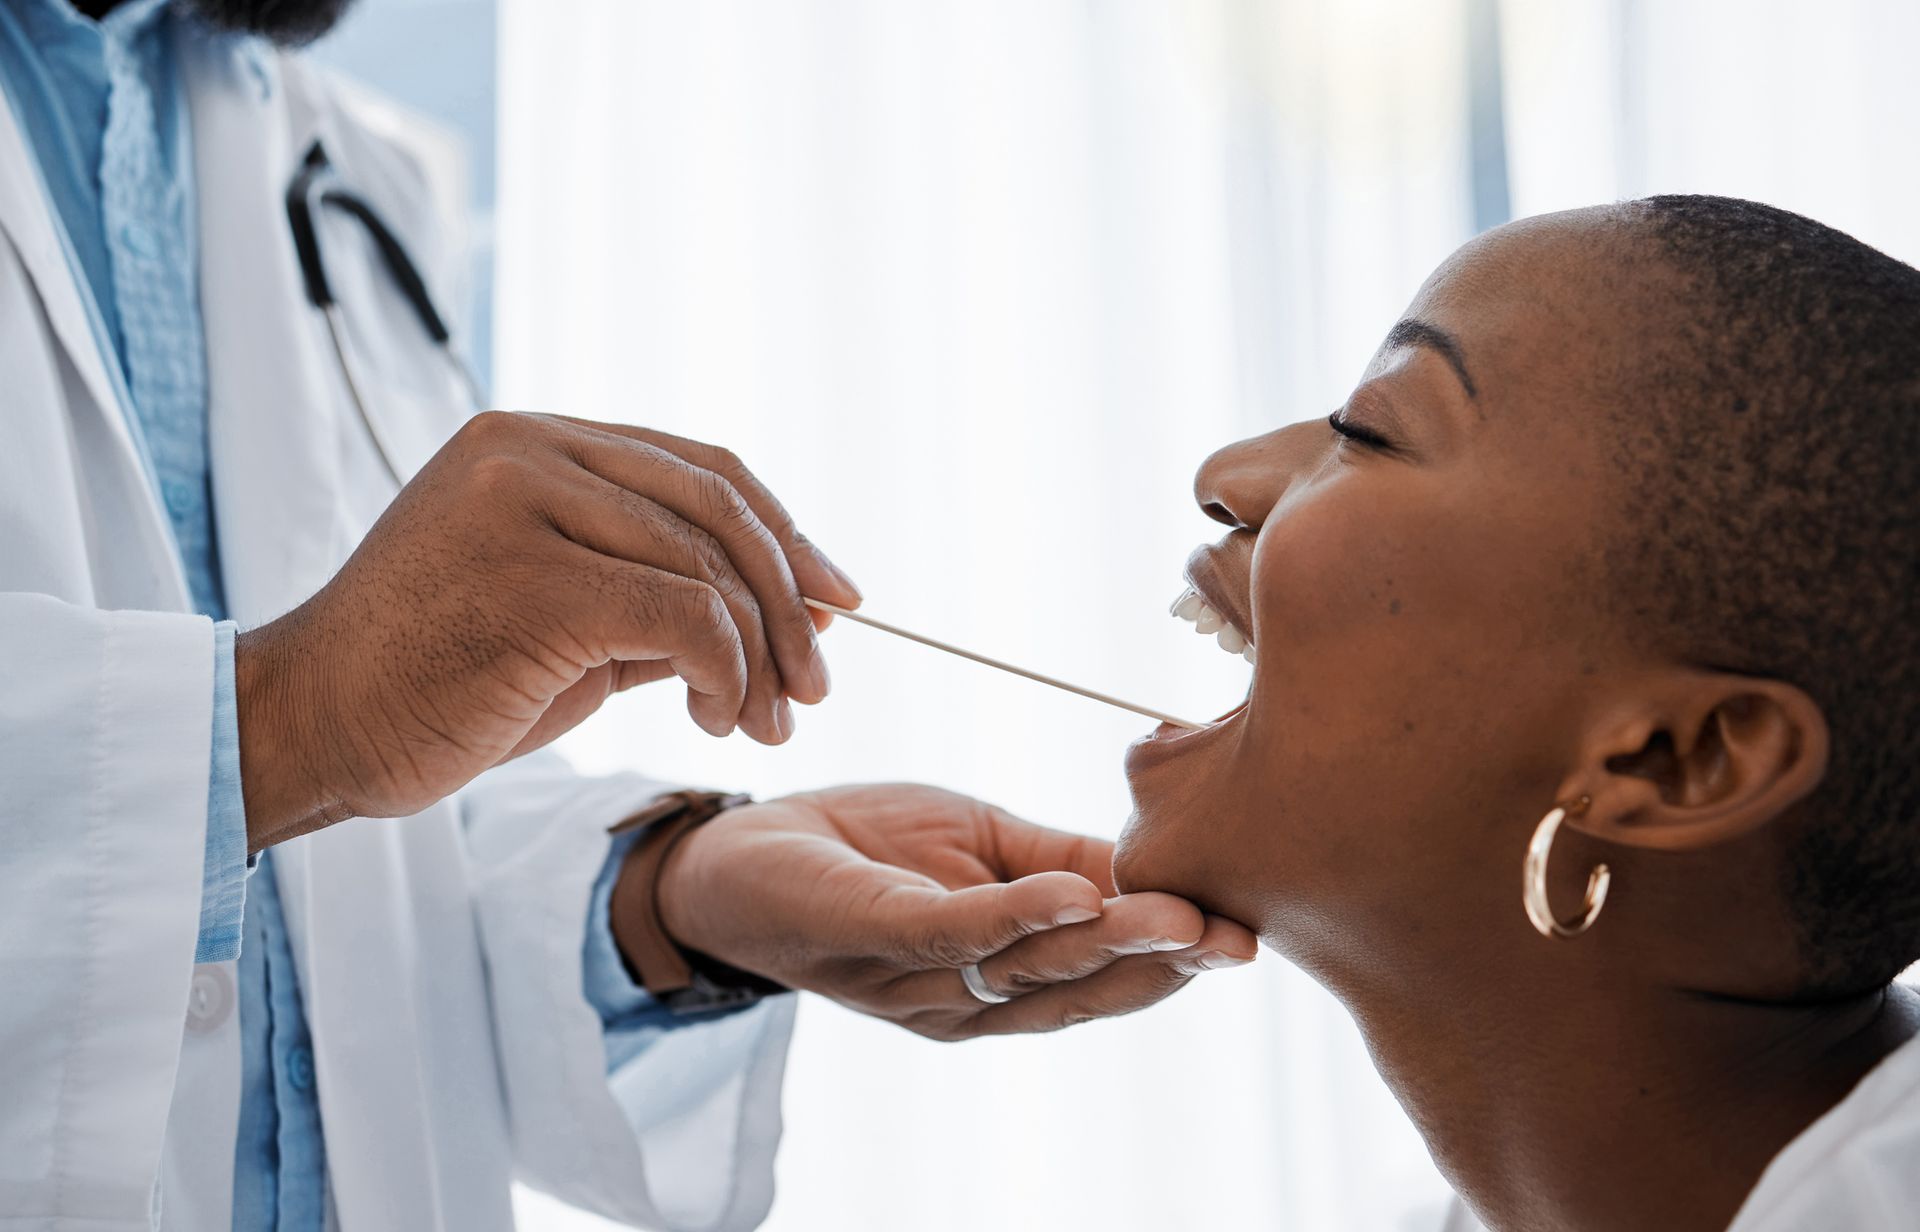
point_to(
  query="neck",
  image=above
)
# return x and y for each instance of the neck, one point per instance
(1617, 1108)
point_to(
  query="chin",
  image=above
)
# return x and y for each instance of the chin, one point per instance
(1133, 859)
(1182, 787)
(1166, 847)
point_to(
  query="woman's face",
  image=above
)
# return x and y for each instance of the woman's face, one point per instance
(1418, 579)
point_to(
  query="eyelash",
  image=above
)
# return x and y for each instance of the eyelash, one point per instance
(1357, 434)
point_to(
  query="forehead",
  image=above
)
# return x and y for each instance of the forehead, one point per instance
(1546, 308)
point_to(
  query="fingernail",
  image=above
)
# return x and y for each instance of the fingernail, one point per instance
(1076, 915)
(1167, 943)
(1217, 961)
(783, 718)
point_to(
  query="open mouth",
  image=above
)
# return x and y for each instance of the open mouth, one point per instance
(1204, 605)
(1192, 607)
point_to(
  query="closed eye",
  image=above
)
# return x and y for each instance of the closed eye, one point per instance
(1357, 433)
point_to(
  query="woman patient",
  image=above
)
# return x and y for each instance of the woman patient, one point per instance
(1609, 561)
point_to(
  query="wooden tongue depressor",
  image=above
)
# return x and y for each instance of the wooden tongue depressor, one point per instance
(924, 640)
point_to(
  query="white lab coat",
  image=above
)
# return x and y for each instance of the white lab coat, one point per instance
(439, 955)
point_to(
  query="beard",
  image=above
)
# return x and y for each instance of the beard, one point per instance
(286, 23)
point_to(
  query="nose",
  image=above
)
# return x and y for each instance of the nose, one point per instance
(1240, 485)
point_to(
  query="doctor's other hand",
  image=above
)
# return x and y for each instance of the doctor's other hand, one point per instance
(535, 566)
(875, 896)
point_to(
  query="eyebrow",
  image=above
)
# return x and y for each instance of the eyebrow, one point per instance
(1413, 332)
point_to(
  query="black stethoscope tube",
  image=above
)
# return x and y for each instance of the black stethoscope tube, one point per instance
(313, 273)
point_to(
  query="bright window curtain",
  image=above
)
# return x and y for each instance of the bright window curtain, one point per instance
(975, 286)
(1812, 107)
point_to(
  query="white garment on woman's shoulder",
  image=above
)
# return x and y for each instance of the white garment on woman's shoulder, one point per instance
(1856, 1169)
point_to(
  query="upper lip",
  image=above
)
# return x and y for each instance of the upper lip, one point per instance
(1220, 572)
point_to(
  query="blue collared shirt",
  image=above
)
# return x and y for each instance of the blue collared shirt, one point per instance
(104, 111)
(105, 114)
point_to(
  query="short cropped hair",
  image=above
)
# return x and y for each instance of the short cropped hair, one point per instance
(1774, 531)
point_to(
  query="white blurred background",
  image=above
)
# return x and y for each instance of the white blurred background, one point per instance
(975, 286)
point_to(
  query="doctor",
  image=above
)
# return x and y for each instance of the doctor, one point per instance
(381, 1023)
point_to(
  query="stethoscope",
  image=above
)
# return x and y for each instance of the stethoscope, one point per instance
(313, 271)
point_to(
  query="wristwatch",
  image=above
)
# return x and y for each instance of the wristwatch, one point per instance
(685, 981)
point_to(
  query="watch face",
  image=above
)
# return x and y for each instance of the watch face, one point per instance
(715, 985)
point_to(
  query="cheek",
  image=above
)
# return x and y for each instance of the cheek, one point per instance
(1382, 600)
(1396, 684)
(1350, 594)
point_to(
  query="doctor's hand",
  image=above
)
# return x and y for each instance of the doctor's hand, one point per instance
(876, 896)
(534, 567)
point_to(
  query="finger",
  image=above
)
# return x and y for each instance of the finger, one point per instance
(631, 674)
(1022, 848)
(818, 575)
(1229, 939)
(1131, 924)
(1127, 985)
(583, 697)
(639, 612)
(708, 500)
(614, 521)
(921, 927)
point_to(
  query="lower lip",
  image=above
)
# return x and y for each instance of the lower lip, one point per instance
(1167, 738)
(1172, 731)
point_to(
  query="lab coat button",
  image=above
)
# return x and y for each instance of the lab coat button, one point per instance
(300, 1069)
(209, 997)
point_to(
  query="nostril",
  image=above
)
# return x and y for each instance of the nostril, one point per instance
(1219, 513)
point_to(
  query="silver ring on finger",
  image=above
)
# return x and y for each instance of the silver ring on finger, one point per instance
(977, 985)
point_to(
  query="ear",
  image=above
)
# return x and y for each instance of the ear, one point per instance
(1703, 758)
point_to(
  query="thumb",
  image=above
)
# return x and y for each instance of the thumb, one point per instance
(934, 928)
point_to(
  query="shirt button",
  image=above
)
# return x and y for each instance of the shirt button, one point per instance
(140, 239)
(179, 498)
(300, 1069)
(209, 997)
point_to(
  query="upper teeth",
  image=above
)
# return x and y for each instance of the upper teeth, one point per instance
(1190, 606)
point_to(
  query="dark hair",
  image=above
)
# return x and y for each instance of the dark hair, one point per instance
(285, 23)
(1776, 532)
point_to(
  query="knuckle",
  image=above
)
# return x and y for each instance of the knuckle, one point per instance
(1018, 983)
(497, 474)
(1165, 979)
(491, 426)
(724, 504)
(703, 611)
(943, 949)
(715, 567)
(1078, 1014)
(867, 982)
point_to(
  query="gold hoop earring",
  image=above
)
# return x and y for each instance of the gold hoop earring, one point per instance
(1533, 881)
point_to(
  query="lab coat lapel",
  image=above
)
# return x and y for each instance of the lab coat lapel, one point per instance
(27, 221)
(281, 492)
(271, 420)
